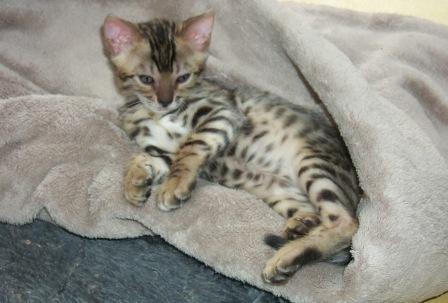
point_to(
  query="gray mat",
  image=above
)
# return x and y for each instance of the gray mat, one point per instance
(41, 262)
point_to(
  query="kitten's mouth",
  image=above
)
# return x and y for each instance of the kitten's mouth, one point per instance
(157, 108)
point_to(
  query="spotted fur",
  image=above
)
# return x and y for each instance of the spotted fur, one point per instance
(287, 155)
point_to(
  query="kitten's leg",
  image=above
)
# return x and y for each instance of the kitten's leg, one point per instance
(280, 193)
(143, 171)
(182, 177)
(331, 236)
(331, 188)
(335, 197)
(210, 136)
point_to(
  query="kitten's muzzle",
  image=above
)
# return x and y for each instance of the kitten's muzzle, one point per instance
(165, 93)
(165, 103)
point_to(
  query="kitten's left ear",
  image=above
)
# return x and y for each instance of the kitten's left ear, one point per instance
(197, 31)
(119, 35)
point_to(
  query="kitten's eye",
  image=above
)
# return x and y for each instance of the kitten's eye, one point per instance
(183, 78)
(145, 79)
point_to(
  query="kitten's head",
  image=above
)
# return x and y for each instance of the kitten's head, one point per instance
(159, 60)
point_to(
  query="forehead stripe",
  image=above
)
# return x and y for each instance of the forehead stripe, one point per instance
(161, 38)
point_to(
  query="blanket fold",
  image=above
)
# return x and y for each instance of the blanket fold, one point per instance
(382, 78)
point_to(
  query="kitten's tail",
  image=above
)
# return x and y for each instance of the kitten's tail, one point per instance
(274, 241)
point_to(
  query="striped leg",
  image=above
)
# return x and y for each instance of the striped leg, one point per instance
(280, 193)
(211, 135)
(328, 177)
(331, 188)
(334, 194)
(286, 200)
(320, 243)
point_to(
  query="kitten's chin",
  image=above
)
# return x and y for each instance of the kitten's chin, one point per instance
(155, 108)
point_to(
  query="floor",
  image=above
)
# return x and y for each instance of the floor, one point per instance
(434, 10)
(41, 262)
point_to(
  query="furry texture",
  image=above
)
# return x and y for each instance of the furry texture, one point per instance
(287, 155)
(381, 77)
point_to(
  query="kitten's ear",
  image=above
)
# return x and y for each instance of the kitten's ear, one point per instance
(119, 35)
(196, 31)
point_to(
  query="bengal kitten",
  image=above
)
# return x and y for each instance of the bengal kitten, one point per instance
(287, 155)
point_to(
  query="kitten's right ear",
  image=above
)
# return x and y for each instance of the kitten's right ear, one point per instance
(197, 31)
(119, 35)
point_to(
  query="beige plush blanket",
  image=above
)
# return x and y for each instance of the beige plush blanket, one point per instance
(383, 79)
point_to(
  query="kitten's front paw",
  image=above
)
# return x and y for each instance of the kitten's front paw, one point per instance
(173, 192)
(300, 224)
(138, 180)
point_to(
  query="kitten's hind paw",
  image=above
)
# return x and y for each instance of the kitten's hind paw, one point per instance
(287, 260)
(300, 224)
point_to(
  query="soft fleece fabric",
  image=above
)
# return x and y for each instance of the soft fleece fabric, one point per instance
(383, 79)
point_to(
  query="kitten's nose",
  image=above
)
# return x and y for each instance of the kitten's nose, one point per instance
(165, 102)
(165, 91)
